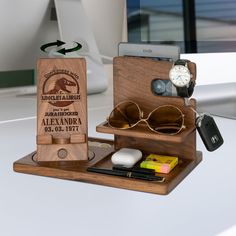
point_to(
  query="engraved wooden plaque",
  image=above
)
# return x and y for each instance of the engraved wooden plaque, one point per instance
(62, 110)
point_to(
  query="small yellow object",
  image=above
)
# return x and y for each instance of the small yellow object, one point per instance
(159, 163)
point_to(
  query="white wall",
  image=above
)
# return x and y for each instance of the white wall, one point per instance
(213, 68)
(25, 26)
(106, 18)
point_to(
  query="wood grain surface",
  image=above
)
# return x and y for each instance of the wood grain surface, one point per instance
(77, 170)
(132, 81)
(62, 110)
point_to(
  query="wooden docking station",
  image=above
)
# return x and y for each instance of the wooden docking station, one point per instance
(67, 155)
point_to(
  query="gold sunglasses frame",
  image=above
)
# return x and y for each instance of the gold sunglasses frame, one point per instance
(141, 119)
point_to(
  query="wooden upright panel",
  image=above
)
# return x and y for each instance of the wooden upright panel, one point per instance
(132, 81)
(62, 110)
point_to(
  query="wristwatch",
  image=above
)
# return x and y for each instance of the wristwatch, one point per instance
(180, 77)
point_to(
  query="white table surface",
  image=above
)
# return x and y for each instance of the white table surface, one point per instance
(202, 205)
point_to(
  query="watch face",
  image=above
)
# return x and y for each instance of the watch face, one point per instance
(180, 75)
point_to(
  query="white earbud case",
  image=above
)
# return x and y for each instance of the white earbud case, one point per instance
(127, 157)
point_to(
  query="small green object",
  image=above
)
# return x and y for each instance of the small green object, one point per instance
(16, 78)
(58, 43)
(76, 48)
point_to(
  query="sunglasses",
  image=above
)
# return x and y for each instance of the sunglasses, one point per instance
(166, 119)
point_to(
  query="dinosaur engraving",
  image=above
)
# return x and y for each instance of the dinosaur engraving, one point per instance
(61, 86)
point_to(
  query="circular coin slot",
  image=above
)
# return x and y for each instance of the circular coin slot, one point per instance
(62, 153)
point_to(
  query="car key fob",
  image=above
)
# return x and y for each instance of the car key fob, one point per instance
(209, 132)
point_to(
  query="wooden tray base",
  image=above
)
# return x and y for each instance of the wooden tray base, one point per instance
(100, 157)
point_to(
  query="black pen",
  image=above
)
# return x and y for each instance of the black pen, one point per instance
(135, 169)
(128, 174)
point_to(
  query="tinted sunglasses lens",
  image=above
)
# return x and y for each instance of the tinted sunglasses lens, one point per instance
(166, 119)
(125, 115)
